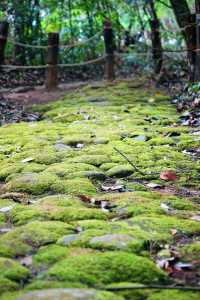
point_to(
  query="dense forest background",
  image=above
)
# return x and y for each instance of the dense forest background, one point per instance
(149, 34)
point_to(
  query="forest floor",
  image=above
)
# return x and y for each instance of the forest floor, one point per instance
(75, 214)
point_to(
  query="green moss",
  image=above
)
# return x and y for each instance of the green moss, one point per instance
(68, 170)
(50, 284)
(104, 268)
(159, 227)
(33, 183)
(176, 295)
(74, 214)
(95, 160)
(77, 186)
(60, 208)
(191, 252)
(120, 171)
(12, 270)
(49, 254)
(33, 235)
(7, 285)
(73, 140)
(9, 169)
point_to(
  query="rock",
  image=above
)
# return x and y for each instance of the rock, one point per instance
(61, 147)
(69, 294)
(119, 241)
(7, 208)
(66, 240)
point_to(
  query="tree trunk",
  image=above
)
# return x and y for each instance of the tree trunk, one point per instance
(157, 50)
(186, 21)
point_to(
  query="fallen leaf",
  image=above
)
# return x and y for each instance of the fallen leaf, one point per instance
(168, 176)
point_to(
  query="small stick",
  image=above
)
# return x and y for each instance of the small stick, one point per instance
(159, 287)
(130, 162)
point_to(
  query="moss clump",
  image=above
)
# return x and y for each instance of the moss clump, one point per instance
(112, 238)
(49, 254)
(69, 170)
(104, 268)
(120, 171)
(175, 295)
(95, 160)
(191, 252)
(8, 169)
(33, 235)
(34, 183)
(75, 139)
(50, 284)
(12, 270)
(77, 186)
(159, 227)
(7, 285)
(61, 208)
(74, 214)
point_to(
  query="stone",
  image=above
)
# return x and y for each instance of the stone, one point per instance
(66, 240)
(69, 294)
(119, 241)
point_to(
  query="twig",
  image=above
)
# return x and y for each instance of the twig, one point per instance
(157, 287)
(130, 162)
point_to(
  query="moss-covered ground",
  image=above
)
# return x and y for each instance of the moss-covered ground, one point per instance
(64, 223)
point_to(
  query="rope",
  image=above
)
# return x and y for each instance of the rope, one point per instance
(14, 67)
(12, 41)
(78, 44)
(89, 62)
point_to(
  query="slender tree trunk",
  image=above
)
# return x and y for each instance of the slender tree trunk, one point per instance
(186, 21)
(156, 39)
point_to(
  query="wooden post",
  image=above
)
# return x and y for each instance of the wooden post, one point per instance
(156, 45)
(52, 61)
(197, 63)
(4, 26)
(109, 47)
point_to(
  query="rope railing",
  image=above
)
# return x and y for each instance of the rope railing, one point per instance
(89, 62)
(45, 47)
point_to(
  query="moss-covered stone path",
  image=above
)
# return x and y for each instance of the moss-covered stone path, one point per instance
(74, 214)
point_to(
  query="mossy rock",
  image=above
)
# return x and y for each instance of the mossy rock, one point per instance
(112, 238)
(31, 236)
(50, 211)
(68, 170)
(69, 294)
(7, 285)
(104, 268)
(77, 186)
(175, 295)
(95, 160)
(50, 254)
(12, 274)
(159, 227)
(191, 252)
(120, 171)
(12, 270)
(34, 183)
